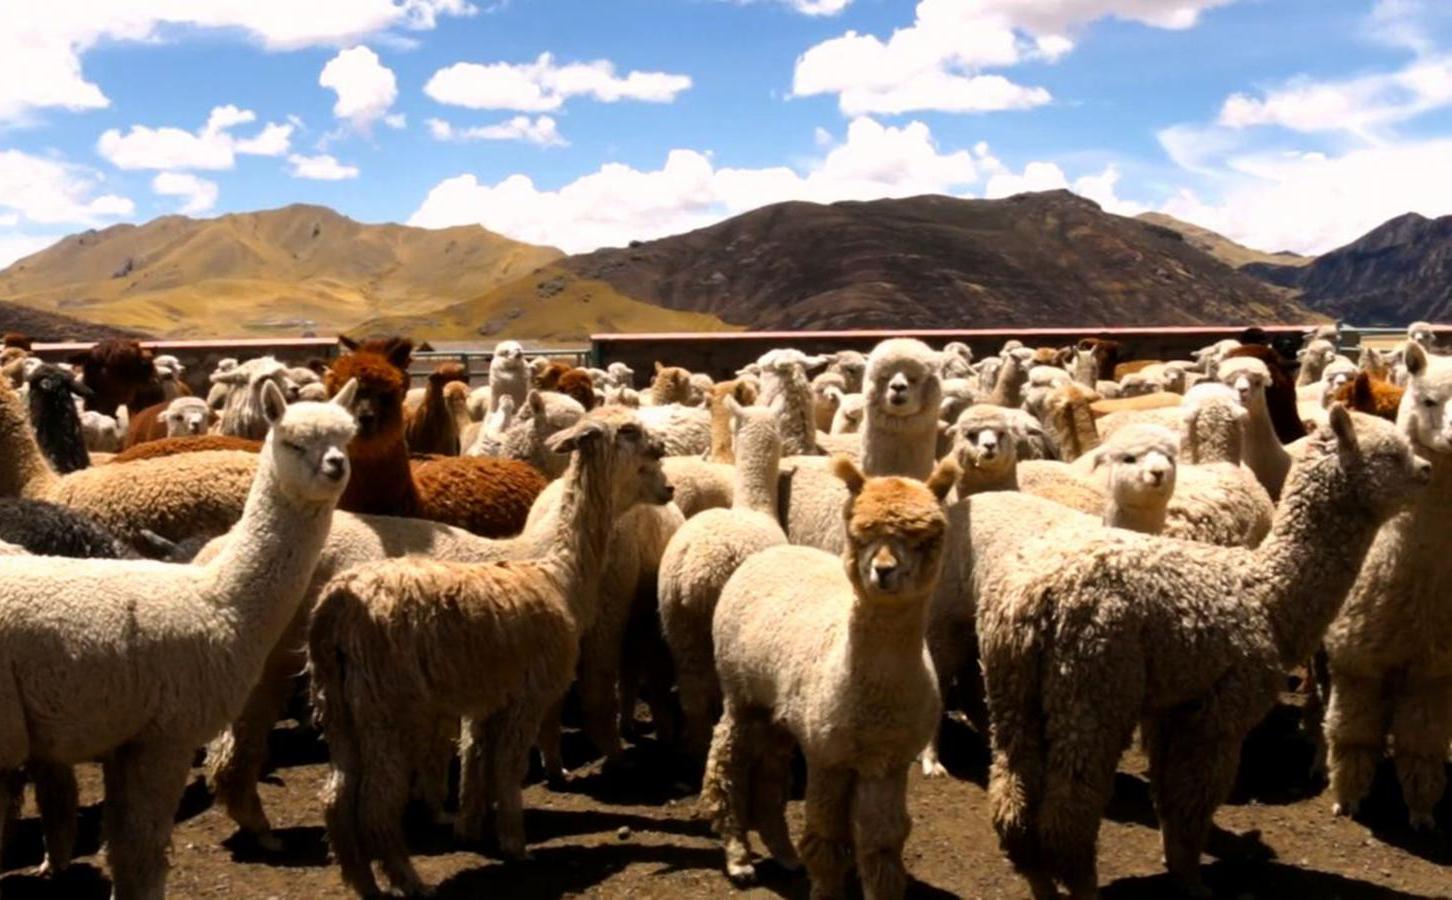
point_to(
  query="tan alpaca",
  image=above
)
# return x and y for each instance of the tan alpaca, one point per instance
(827, 652)
(397, 646)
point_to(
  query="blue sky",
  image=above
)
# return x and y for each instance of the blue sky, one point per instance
(1286, 124)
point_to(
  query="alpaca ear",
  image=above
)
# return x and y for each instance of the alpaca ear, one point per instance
(273, 403)
(346, 394)
(847, 472)
(732, 406)
(1361, 394)
(1415, 358)
(78, 387)
(582, 434)
(944, 477)
(659, 366)
(1342, 426)
(536, 402)
(347, 342)
(816, 362)
(400, 353)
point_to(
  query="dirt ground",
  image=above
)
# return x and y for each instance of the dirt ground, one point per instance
(631, 832)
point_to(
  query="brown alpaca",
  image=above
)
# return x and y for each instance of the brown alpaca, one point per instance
(490, 497)
(671, 384)
(548, 379)
(116, 370)
(16, 339)
(1373, 395)
(171, 446)
(578, 384)
(1107, 354)
(431, 428)
(402, 642)
(1280, 395)
(721, 445)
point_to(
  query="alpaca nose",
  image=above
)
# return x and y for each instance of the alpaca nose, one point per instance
(335, 464)
(1421, 471)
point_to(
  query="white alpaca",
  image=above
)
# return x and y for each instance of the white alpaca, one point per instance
(508, 375)
(1264, 454)
(140, 663)
(702, 556)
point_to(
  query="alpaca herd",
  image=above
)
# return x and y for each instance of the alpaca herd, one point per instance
(813, 561)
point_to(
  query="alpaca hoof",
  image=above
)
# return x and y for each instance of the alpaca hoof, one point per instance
(933, 769)
(741, 874)
(557, 779)
(1346, 810)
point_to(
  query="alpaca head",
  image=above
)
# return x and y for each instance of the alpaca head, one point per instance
(848, 417)
(1425, 415)
(755, 432)
(984, 445)
(543, 415)
(456, 398)
(671, 384)
(613, 439)
(307, 445)
(957, 360)
(50, 384)
(186, 416)
(902, 379)
(1140, 460)
(1374, 461)
(1421, 333)
(1337, 372)
(381, 385)
(1249, 378)
(851, 365)
(1378, 363)
(896, 528)
(620, 374)
(1316, 355)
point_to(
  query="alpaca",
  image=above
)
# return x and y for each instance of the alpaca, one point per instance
(670, 385)
(46, 529)
(1280, 392)
(1390, 651)
(202, 493)
(52, 401)
(721, 418)
(242, 414)
(1009, 382)
(685, 430)
(848, 418)
(852, 366)
(1088, 632)
(171, 446)
(508, 374)
(1314, 358)
(184, 416)
(1264, 453)
(1067, 417)
(828, 389)
(1371, 394)
(784, 375)
(430, 428)
(401, 641)
(701, 557)
(901, 420)
(1422, 334)
(1140, 470)
(456, 401)
(144, 682)
(102, 433)
(490, 497)
(957, 360)
(116, 370)
(985, 450)
(827, 652)
(545, 413)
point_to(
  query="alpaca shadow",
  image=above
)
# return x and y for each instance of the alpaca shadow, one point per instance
(195, 800)
(79, 882)
(1261, 880)
(1275, 761)
(25, 846)
(963, 752)
(1131, 805)
(1384, 813)
(648, 774)
(544, 825)
(303, 847)
(295, 745)
(557, 871)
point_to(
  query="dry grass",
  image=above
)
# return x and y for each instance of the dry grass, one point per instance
(1221, 247)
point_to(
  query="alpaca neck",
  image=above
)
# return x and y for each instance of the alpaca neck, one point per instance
(1077, 432)
(798, 421)
(381, 483)
(582, 533)
(976, 480)
(1008, 390)
(1309, 561)
(721, 450)
(24, 471)
(905, 446)
(263, 570)
(883, 639)
(1264, 454)
(756, 482)
(1148, 518)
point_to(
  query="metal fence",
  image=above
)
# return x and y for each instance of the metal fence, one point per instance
(476, 362)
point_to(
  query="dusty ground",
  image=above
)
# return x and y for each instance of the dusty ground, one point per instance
(631, 833)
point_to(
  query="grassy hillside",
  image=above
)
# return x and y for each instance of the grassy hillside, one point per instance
(1221, 247)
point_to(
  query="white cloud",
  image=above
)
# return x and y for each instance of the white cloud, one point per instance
(937, 62)
(41, 44)
(320, 168)
(1358, 105)
(618, 203)
(543, 86)
(199, 193)
(396, 121)
(210, 147)
(541, 130)
(1101, 187)
(809, 7)
(14, 245)
(49, 192)
(366, 88)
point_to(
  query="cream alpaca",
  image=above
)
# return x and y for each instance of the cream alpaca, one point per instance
(827, 652)
(384, 645)
(1263, 451)
(702, 556)
(1390, 651)
(508, 375)
(1090, 632)
(139, 663)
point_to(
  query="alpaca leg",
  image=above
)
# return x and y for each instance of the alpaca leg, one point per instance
(59, 802)
(600, 693)
(235, 759)
(1192, 769)
(149, 782)
(1421, 732)
(1356, 728)
(700, 695)
(474, 781)
(827, 839)
(549, 745)
(382, 796)
(340, 815)
(726, 793)
(434, 752)
(770, 790)
(946, 653)
(12, 789)
(880, 826)
(512, 731)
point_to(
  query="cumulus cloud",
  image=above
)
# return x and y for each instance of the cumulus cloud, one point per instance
(198, 194)
(543, 85)
(542, 131)
(212, 146)
(42, 44)
(49, 192)
(14, 245)
(366, 88)
(1101, 187)
(1358, 105)
(319, 168)
(619, 203)
(937, 62)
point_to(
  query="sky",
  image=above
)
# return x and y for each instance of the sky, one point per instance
(1283, 124)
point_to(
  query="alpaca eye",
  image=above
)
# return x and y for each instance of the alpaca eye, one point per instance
(1129, 460)
(295, 448)
(1429, 403)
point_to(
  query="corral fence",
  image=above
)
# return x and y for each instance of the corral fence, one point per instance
(721, 354)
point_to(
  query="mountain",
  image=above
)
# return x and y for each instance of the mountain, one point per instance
(1050, 259)
(1223, 248)
(1396, 274)
(274, 272)
(50, 327)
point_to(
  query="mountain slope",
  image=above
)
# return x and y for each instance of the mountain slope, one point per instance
(1394, 275)
(279, 271)
(1223, 248)
(49, 327)
(1051, 259)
